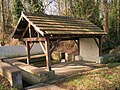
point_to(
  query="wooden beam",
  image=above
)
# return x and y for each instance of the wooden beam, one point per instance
(100, 46)
(30, 32)
(27, 47)
(38, 35)
(78, 46)
(76, 35)
(34, 39)
(64, 38)
(25, 30)
(48, 54)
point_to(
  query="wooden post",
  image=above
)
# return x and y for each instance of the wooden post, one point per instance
(100, 46)
(30, 32)
(78, 46)
(28, 52)
(48, 54)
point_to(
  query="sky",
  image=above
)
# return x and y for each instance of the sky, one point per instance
(50, 9)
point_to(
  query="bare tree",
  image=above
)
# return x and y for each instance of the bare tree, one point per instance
(118, 18)
(59, 8)
(105, 6)
(2, 22)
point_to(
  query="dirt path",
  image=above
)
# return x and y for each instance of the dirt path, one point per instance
(72, 68)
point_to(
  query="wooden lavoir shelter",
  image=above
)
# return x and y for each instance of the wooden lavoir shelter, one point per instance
(44, 29)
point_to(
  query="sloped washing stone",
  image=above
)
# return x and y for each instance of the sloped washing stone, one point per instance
(32, 74)
(12, 74)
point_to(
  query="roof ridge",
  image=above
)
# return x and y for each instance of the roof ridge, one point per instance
(54, 16)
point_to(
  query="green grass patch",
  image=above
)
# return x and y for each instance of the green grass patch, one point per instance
(100, 79)
(112, 65)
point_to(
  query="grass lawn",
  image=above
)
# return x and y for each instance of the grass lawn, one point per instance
(107, 78)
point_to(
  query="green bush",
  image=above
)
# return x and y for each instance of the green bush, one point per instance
(110, 59)
(112, 65)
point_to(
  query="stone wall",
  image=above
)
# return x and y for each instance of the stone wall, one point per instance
(16, 51)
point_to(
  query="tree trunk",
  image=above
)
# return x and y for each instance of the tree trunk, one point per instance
(2, 22)
(118, 19)
(71, 8)
(119, 14)
(59, 4)
(66, 13)
(105, 6)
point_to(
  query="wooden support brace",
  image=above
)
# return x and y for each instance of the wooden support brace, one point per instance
(78, 45)
(31, 45)
(27, 46)
(55, 45)
(99, 44)
(42, 46)
(76, 42)
(96, 42)
(33, 39)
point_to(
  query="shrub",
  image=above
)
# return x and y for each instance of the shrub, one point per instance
(110, 59)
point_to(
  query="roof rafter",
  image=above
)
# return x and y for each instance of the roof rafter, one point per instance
(36, 28)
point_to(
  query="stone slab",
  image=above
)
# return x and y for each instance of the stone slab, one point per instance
(31, 73)
(12, 74)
